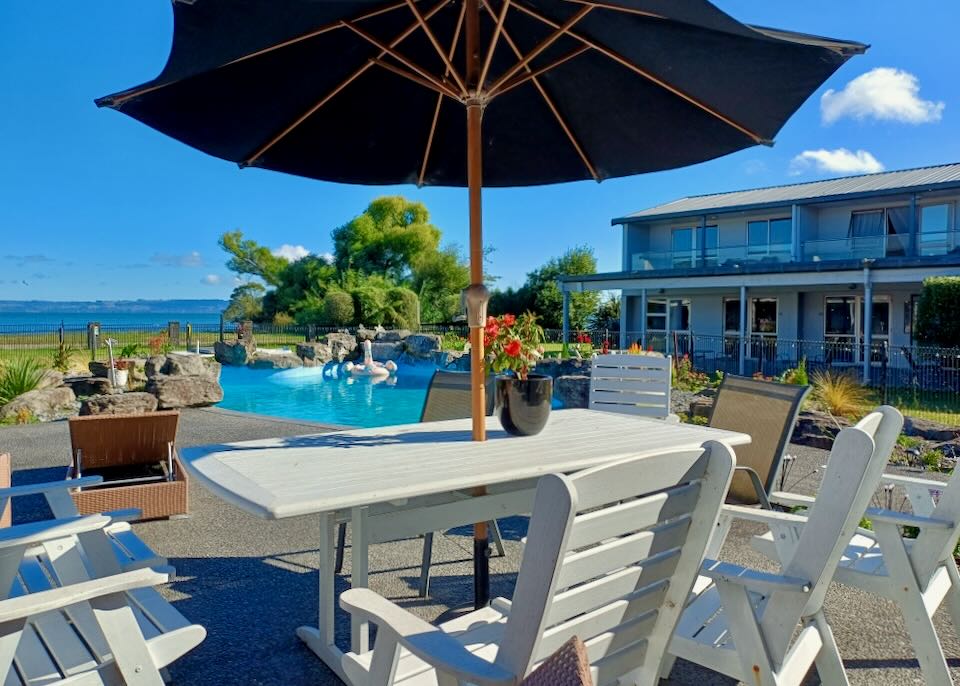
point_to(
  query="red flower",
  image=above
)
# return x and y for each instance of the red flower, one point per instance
(513, 348)
(492, 328)
(508, 319)
(649, 348)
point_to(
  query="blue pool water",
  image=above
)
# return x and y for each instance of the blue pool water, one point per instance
(304, 394)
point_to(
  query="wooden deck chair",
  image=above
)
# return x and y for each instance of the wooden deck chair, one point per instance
(448, 397)
(766, 411)
(60, 623)
(744, 623)
(115, 547)
(632, 384)
(611, 555)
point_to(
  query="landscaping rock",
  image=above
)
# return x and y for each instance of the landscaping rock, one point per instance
(138, 371)
(364, 334)
(557, 368)
(46, 404)
(89, 385)
(700, 407)
(190, 365)
(314, 352)
(572, 390)
(457, 360)
(51, 379)
(392, 335)
(932, 431)
(341, 345)
(101, 369)
(817, 429)
(234, 353)
(154, 366)
(383, 351)
(184, 391)
(422, 346)
(269, 361)
(119, 403)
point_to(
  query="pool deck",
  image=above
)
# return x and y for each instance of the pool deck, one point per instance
(251, 582)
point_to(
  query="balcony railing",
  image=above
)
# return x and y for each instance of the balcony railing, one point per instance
(726, 256)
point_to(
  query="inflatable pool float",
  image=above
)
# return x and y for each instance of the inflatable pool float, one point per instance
(368, 367)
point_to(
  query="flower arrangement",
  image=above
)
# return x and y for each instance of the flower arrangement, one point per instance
(120, 365)
(513, 343)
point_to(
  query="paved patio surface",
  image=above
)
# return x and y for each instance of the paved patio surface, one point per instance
(251, 582)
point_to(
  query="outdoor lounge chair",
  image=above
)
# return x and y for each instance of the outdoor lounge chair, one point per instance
(448, 397)
(60, 621)
(632, 384)
(768, 412)
(611, 556)
(769, 628)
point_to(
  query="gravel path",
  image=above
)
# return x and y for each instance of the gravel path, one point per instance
(250, 582)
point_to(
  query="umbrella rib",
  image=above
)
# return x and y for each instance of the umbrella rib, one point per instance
(417, 79)
(436, 111)
(618, 8)
(556, 113)
(493, 41)
(436, 45)
(412, 66)
(561, 31)
(523, 78)
(616, 57)
(329, 96)
(120, 98)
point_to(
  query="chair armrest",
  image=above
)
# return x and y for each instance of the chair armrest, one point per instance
(901, 480)
(756, 483)
(905, 519)
(126, 515)
(34, 604)
(787, 499)
(429, 643)
(34, 533)
(34, 489)
(768, 517)
(751, 579)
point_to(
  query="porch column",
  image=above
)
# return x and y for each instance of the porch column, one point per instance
(643, 317)
(914, 247)
(623, 321)
(666, 325)
(867, 321)
(566, 316)
(743, 331)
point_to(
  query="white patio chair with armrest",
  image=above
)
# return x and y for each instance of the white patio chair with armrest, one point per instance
(632, 384)
(918, 574)
(611, 556)
(744, 623)
(60, 623)
(117, 538)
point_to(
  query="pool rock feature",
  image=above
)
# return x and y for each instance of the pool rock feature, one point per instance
(383, 351)
(119, 403)
(45, 404)
(184, 391)
(314, 354)
(572, 390)
(341, 345)
(89, 385)
(264, 360)
(392, 335)
(420, 347)
(234, 353)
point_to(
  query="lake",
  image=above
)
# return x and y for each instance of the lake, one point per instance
(49, 321)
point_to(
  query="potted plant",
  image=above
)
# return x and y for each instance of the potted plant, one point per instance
(121, 373)
(514, 345)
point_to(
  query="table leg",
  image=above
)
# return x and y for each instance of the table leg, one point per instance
(359, 574)
(321, 639)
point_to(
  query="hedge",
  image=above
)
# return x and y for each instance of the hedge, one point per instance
(938, 312)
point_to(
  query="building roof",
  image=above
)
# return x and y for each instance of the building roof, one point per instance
(905, 180)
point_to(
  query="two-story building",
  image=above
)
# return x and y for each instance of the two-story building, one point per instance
(830, 270)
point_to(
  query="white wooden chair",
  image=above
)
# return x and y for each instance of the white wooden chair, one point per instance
(611, 556)
(632, 384)
(61, 623)
(918, 574)
(743, 623)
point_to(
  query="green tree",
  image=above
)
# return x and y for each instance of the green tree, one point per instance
(938, 311)
(389, 238)
(249, 257)
(545, 290)
(438, 278)
(246, 302)
(607, 315)
(301, 285)
(511, 301)
(338, 308)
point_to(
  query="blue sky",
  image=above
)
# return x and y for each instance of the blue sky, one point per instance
(94, 205)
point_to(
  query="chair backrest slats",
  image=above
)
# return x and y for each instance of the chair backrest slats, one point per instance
(631, 384)
(933, 546)
(612, 553)
(123, 439)
(448, 396)
(765, 410)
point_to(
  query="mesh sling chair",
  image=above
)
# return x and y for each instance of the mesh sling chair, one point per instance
(767, 411)
(448, 397)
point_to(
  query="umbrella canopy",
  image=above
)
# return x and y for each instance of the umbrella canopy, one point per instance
(372, 91)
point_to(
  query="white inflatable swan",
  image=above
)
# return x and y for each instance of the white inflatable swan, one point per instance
(368, 367)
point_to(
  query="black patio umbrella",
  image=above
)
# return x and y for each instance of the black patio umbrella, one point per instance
(474, 92)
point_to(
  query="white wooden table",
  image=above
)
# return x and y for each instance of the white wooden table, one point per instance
(398, 481)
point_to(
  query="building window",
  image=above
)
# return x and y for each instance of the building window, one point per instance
(843, 326)
(910, 315)
(679, 315)
(866, 224)
(879, 233)
(656, 315)
(763, 316)
(934, 238)
(710, 236)
(770, 238)
(682, 247)
(731, 316)
(840, 316)
(687, 244)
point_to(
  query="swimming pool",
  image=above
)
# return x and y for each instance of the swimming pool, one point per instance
(303, 393)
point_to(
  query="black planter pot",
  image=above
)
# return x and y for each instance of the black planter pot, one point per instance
(524, 406)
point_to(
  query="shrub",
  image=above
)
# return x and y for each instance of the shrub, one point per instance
(403, 308)
(282, 319)
(453, 341)
(160, 344)
(61, 357)
(839, 393)
(338, 308)
(931, 459)
(19, 377)
(131, 350)
(686, 378)
(368, 305)
(797, 375)
(938, 311)
(908, 442)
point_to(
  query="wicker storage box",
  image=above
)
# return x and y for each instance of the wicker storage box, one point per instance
(124, 446)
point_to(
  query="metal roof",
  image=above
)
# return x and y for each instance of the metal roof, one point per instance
(928, 178)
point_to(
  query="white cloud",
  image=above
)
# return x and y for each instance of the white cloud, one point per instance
(754, 166)
(190, 259)
(326, 257)
(839, 161)
(211, 279)
(882, 93)
(291, 253)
